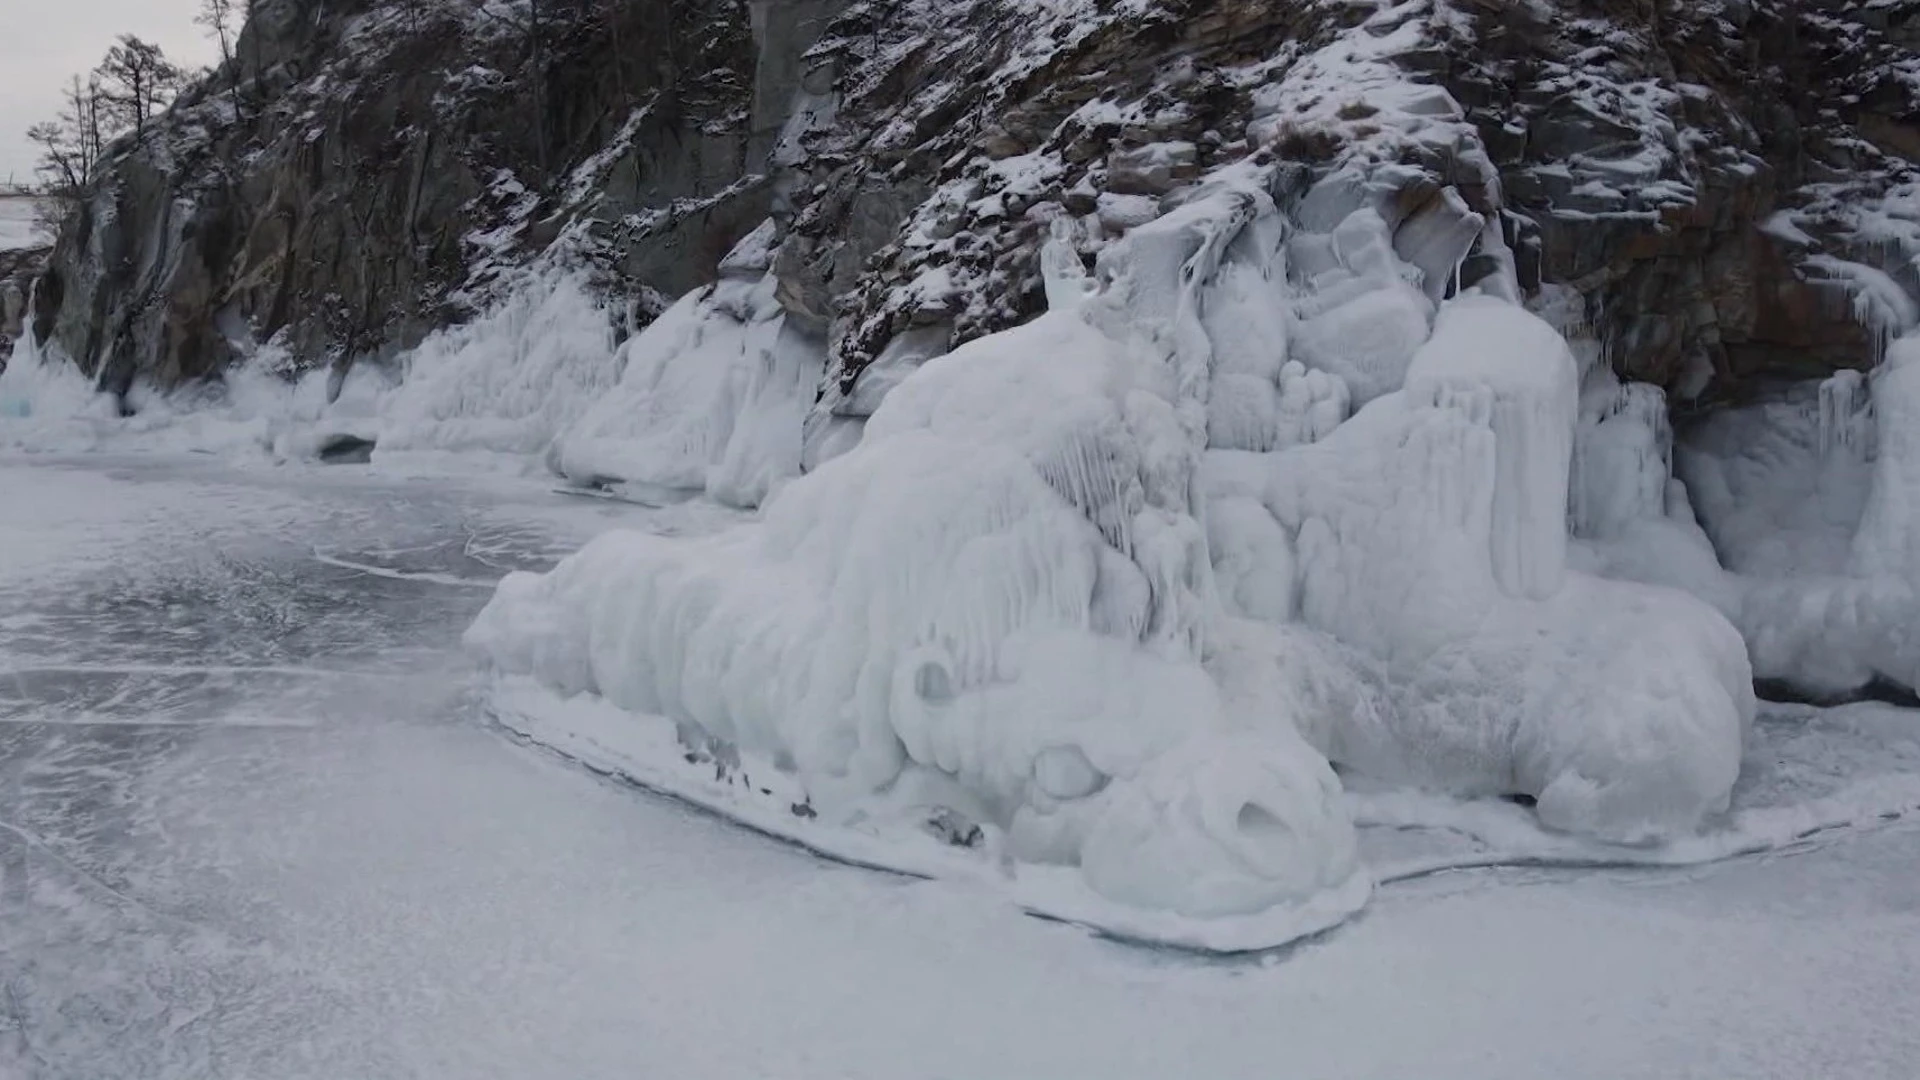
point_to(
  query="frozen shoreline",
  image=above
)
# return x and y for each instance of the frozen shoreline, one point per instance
(390, 889)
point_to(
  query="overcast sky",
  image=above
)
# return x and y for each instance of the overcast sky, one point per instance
(42, 47)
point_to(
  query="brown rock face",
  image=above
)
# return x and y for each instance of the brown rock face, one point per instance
(1747, 138)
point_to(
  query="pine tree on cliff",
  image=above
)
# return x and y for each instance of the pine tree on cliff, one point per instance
(137, 81)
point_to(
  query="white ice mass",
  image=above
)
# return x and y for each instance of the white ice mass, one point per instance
(1108, 598)
(1118, 585)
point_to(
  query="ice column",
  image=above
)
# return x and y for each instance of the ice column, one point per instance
(1888, 542)
(1495, 361)
(1846, 415)
(1622, 459)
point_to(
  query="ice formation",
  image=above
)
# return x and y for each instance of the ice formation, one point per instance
(1430, 535)
(711, 398)
(39, 391)
(1000, 593)
(46, 404)
(1119, 583)
(509, 381)
(1888, 542)
(1808, 498)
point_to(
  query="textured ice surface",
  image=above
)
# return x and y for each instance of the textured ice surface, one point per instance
(1000, 585)
(1363, 320)
(1888, 543)
(509, 381)
(1810, 499)
(495, 391)
(376, 886)
(712, 397)
(1059, 572)
(1780, 493)
(45, 400)
(1430, 534)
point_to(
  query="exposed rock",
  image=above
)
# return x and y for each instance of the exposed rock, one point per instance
(1643, 154)
(18, 268)
(1729, 186)
(366, 170)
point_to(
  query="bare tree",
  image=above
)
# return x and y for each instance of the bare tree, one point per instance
(70, 145)
(62, 169)
(218, 17)
(85, 116)
(137, 81)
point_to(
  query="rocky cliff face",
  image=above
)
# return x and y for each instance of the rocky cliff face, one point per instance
(1729, 187)
(367, 169)
(1726, 185)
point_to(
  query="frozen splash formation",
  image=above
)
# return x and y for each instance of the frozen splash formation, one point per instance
(1119, 585)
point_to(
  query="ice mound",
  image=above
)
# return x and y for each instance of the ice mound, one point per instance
(509, 381)
(1430, 533)
(1114, 586)
(1003, 588)
(712, 398)
(1809, 498)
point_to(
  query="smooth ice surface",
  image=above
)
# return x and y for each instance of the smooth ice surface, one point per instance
(267, 838)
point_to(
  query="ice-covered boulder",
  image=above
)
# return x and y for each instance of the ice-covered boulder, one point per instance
(1002, 587)
(1430, 534)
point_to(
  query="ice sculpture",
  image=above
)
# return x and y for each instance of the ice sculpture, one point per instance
(1002, 592)
(1116, 584)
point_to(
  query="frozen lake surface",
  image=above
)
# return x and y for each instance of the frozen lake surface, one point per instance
(251, 826)
(18, 228)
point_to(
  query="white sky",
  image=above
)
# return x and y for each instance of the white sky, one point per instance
(41, 47)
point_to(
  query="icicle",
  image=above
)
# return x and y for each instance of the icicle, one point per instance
(1846, 416)
(1887, 543)
(1523, 388)
(1067, 283)
(1622, 461)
